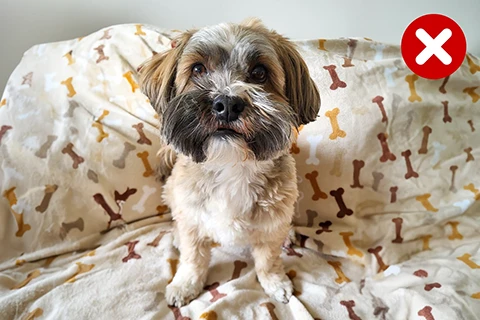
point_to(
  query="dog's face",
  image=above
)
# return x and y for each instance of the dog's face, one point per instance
(241, 85)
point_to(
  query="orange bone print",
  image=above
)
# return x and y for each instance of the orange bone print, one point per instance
(426, 242)
(238, 267)
(423, 199)
(271, 309)
(444, 83)
(426, 132)
(75, 157)
(455, 233)
(214, 292)
(377, 177)
(410, 172)
(336, 131)
(131, 251)
(337, 267)
(157, 239)
(20, 262)
(337, 164)
(3, 131)
(393, 194)
(173, 267)
(376, 252)
(317, 192)
(101, 53)
(474, 68)
(68, 83)
(386, 154)
(476, 295)
(120, 199)
(177, 314)
(379, 101)
(426, 312)
(209, 315)
(69, 57)
(3, 102)
(311, 215)
(66, 227)
(344, 210)
(98, 124)
(325, 227)
(352, 251)
(446, 116)
(475, 191)
(452, 183)
(162, 209)
(27, 79)
(128, 75)
(472, 128)
(471, 92)
(466, 259)
(34, 314)
(468, 151)
(148, 168)
(32, 275)
(357, 166)
(12, 200)
(294, 148)
(143, 138)
(411, 85)
(49, 191)
(82, 268)
(321, 44)
(398, 230)
(336, 82)
(349, 305)
(139, 31)
(431, 286)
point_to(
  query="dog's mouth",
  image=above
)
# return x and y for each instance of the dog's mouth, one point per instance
(225, 130)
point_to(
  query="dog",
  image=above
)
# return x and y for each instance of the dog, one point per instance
(230, 99)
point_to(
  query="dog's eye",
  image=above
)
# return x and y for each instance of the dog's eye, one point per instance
(259, 74)
(199, 69)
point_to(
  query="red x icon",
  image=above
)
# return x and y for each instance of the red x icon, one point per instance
(433, 46)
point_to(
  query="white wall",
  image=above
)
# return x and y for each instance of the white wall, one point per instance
(24, 23)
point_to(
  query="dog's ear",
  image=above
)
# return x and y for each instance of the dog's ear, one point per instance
(157, 75)
(300, 89)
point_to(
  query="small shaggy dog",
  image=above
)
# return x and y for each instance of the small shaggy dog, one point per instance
(230, 99)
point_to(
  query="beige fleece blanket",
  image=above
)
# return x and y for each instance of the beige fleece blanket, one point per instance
(388, 219)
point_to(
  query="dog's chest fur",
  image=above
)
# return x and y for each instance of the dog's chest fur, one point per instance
(233, 203)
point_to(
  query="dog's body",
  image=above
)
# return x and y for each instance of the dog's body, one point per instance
(229, 98)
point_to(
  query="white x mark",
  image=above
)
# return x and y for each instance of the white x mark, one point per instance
(433, 46)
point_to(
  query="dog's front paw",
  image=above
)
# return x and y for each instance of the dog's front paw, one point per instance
(180, 294)
(280, 290)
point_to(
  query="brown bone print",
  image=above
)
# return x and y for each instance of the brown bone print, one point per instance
(303, 239)
(426, 132)
(325, 227)
(410, 172)
(42, 152)
(177, 314)
(344, 210)
(456, 235)
(120, 162)
(131, 251)
(336, 82)
(386, 154)
(143, 138)
(352, 45)
(237, 270)
(32, 275)
(349, 305)
(472, 128)
(357, 167)
(75, 157)
(311, 215)
(291, 274)
(468, 151)
(446, 115)
(431, 286)
(173, 268)
(379, 101)
(336, 131)
(214, 292)
(291, 252)
(157, 239)
(474, 68)
(393, 194)
(68, 84)
(91, 175)
(377, 177)
(471, 92)
(101, 53)
(12, 200)
(3, 131)
(271, 309)
(466, 258)
(120, 199)
(66, 227)
(27, 79)
(411, 78)
(352, 251)
(49, 191)
(376, 252)
(380, 310)
(444, 83)
(426, 312)
(106, 34)
(421, 273)
(336, 265)
(317, 192)
(294, 148)
(398, 230)
(72, 105)
(453, 169)
(148, 168)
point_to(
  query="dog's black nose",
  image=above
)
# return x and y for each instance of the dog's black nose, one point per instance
(228, 108)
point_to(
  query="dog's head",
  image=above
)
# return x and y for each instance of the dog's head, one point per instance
(237, 85)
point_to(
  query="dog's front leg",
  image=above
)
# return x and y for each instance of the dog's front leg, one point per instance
(270, 270)
(191, 276)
